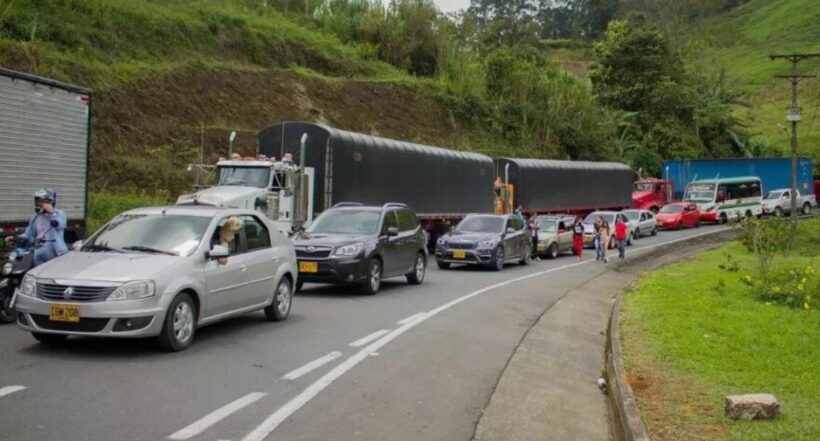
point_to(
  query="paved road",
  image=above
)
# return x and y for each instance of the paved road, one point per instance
(411, 363)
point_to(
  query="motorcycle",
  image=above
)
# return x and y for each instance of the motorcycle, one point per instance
(16, 264)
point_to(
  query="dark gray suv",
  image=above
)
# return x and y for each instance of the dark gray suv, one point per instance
(356, 244)
(485, 239)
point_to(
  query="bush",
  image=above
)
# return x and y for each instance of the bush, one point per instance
(796, 288)
(103, 206)
(764, 239)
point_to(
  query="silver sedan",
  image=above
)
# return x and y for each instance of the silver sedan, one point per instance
(161, 272)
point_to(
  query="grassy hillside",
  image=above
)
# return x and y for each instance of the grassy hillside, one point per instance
(741, 41)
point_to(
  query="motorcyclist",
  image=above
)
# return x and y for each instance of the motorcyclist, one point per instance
(45, 229)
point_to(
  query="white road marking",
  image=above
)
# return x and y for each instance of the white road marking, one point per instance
(412, 318)
(275, 419)
(315, 364)
(216, 416)
(368, 338)
(8, 390)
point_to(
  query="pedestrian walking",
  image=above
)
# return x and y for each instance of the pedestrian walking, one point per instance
(596, 240)
(534, 225)
(620, 237)
(578, 237)
(605, 232)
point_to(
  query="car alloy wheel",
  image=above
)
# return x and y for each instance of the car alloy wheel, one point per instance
(499, 259)
(180, 324)
(279, 308)
(183, 322)
(806, 209)
(637, 233)
(416, 276)
(374, 278)
(553, 251)
(778, 211)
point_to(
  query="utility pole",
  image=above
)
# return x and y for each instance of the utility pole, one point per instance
(793, 116)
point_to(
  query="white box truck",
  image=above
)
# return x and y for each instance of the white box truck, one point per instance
(45, 141)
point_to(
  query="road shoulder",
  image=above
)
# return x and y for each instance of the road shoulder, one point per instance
(549, 390)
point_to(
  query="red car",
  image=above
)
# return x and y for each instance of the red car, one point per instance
(677, 215)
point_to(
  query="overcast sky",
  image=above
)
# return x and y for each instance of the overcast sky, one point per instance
(452, 5)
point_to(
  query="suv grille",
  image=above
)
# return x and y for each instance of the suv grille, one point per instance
(460, 246)
(47, 291)
(84, 325)
(313, 252)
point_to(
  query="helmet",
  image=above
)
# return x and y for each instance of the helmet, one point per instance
(47, 195)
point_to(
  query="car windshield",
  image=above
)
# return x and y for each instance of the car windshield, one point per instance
(632, 215)
(481, 224)
(346, 222)
(773, 195)
(150, 233)
(549, 226)
(244, 176)
(644, 186)
(609, 217)
(699, 193)
(672, 209)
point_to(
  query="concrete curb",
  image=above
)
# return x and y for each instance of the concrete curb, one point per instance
(626, 424)
(626, 418)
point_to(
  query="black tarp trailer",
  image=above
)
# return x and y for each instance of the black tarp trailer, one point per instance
(439, 184)
(578, 187)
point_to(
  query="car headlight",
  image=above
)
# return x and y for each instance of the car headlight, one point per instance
(133, 290)
(349, 250)
(486, 244)
(441, 241)
(6, 269)
(28, 286)
(12, 255)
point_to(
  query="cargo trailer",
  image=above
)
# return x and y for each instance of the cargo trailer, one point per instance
(45, 128)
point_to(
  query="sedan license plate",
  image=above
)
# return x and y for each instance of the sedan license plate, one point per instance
(459, 254)
(64, 313)
(308, 267)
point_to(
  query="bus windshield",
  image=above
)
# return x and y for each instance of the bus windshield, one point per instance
(699, 193)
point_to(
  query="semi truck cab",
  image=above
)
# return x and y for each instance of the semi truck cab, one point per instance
(652, 194)
(281, 190)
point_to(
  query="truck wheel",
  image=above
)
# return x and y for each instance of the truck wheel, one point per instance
(416, 276)
(778, 212)
(806, 209)
(180, 324)
(498, 263)
(443, 265)
(49, 339)
(279, 309)
(374, 278)
(552, 252)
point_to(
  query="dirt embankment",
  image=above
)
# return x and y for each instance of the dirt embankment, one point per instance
(146, 133)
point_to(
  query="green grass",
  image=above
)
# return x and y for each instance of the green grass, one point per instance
(699, 334)
(103, 43)
(742, 40)
(103, 206)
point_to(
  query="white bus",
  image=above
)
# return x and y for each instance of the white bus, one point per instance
(722, 199)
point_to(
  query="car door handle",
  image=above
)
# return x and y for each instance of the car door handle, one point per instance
(243, 268)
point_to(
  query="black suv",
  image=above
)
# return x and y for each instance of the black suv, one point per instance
(353, 243)
(485, 239)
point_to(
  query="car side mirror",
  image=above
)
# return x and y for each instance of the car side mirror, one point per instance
(218, 252)
(510, 230)
(392, 232)
(76, 246)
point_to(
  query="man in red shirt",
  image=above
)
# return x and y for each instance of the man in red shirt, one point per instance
(620, 237)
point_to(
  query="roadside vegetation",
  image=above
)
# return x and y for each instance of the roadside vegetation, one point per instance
(699, 330)
(555, 79)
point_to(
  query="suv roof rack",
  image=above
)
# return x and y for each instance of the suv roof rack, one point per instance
(348, 204)
(395, 204)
